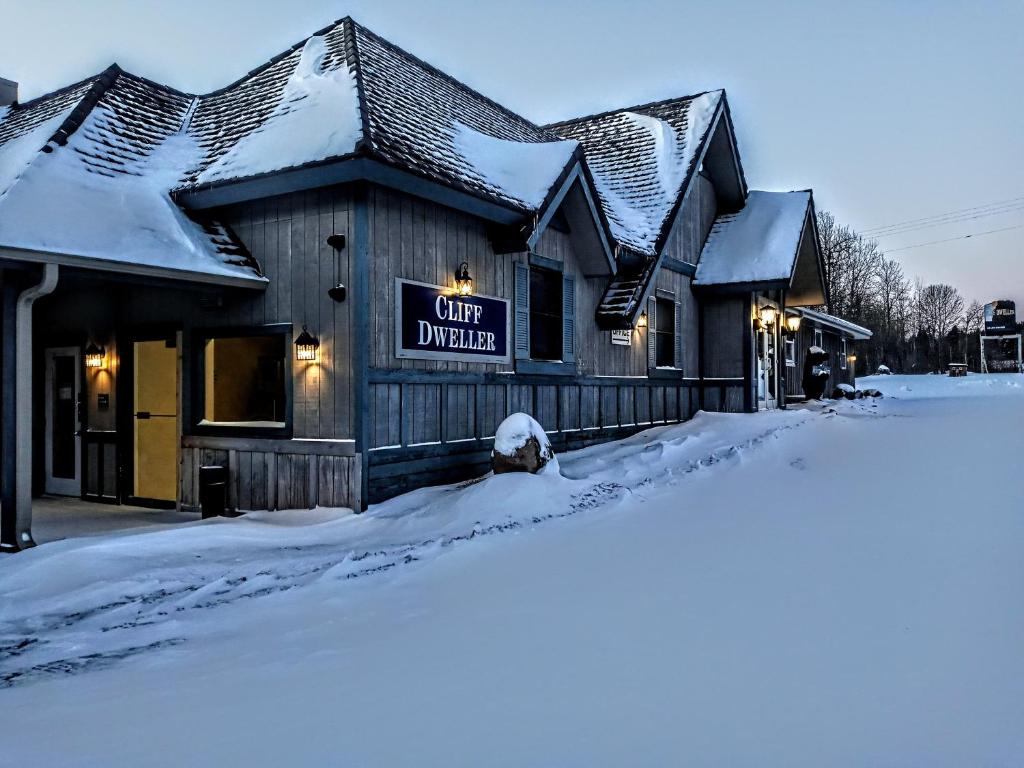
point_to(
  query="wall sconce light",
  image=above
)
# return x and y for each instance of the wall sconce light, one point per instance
(94, 356)
(641, 322)
(338, 292)
(463, 282)
(768, 315)
(793, 324)
(306, 346)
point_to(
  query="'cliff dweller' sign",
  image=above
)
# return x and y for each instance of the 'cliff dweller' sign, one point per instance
(433, 323)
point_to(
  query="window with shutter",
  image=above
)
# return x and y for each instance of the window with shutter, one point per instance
(651, 332)
(522, 311)
(679, 335)
(568, 319)
(664, 333)
(546, 314)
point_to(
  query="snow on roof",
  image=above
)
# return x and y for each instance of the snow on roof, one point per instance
(758, 243)
(26, 130)
(640, 159)
(857, 332)
(104, 195)
(345, 90)
(521, 170)
(315, 118)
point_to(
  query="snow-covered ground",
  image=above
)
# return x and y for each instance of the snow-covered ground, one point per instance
(832, 585)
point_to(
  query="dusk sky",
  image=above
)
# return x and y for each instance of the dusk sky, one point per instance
(890, 112)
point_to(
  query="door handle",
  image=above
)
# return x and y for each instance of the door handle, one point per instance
(142, 414)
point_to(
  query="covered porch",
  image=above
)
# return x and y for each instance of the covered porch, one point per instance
(92, 391)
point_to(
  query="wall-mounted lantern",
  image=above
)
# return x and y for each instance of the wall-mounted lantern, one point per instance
(463, 282)
(641, 322)
(94, 356)
(307, 346)
(338, 291)
(768, 315)
(792, 324)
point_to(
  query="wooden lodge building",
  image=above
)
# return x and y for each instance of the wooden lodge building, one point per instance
(337, 275)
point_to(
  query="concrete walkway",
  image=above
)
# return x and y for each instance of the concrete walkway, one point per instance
(55, 518)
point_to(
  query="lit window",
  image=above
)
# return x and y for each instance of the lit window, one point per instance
(842, 354)
(790, 352)
(244, 381)
(818, 342)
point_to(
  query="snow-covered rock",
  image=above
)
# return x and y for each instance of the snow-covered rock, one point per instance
(883, 370)
(844, 390)
(521, 445)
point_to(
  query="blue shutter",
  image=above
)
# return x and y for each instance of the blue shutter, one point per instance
(568, 319)
(522, 312)
(679, 336)
(652, 354)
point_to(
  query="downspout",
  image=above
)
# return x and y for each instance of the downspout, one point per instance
(23, 396)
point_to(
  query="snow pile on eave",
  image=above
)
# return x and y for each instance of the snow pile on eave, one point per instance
(316, 119)
(17, 154)
(521, 170)
(758, 243)
(637, 207)
(60, 205)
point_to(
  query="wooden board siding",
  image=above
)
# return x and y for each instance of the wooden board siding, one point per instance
(419, 240)
(725, 320)
(274, 474)
(460, 416)
(693, 222)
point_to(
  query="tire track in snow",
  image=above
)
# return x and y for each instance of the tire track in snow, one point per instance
(21, 641)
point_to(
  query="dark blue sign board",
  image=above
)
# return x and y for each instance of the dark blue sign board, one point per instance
(434, 323)
(1001, 317)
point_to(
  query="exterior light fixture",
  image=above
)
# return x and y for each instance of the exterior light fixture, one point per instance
(94, 356)
(641, 322)
(307, 346)
(768, 315)
(793, 323)
(463, 282)
(337, 293)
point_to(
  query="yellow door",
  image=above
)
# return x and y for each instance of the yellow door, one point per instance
(156, 421)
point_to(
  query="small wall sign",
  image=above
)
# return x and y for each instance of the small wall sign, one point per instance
(622, 338)
(434, 323)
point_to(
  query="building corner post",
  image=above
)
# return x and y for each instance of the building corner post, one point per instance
(360, 359)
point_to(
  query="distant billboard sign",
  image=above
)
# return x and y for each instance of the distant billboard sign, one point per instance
(1000, 317)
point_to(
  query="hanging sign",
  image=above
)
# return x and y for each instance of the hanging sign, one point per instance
(434, 323)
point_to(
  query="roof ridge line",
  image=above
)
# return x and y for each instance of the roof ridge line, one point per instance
(259, 69)
(445, 76)
(103, 82)
(634, 108)
(366, 141)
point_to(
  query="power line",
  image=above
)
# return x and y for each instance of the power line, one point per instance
(951, 239)
(943, 222)
(1012, 202)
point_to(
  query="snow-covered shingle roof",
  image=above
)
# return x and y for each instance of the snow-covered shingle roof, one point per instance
(346, 92)
(641, 158)
(845, 327)
(757, 244)
(86, 173)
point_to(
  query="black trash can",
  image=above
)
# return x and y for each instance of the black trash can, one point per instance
(213, 490)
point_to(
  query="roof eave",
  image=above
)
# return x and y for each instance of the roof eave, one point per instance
(92, 263)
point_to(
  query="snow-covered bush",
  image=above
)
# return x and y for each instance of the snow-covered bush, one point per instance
(883, 370)
(521, 445)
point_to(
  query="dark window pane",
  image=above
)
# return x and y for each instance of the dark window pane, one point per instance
(243, 381)
(545, 314)
(665, 333)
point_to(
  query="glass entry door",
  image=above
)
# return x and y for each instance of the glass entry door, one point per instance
(63, 441)
(156, 420)
(767, 371)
